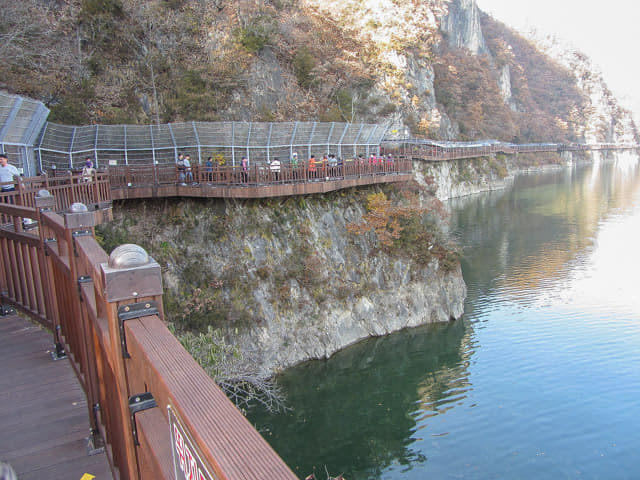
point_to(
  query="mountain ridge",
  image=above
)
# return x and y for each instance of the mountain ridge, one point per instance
(440, 69)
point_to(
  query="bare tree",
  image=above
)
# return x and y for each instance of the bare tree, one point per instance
(151, 45)
(235, 372)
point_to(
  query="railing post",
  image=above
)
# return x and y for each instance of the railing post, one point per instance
(78, 222)
(73, 197)
(20, 191)
(96, 188)
(130, 279)
(44, 201)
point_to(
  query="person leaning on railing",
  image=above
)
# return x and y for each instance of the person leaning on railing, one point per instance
(8, 173)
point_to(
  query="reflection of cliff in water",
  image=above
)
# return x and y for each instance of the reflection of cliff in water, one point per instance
(358, 410)
(563, 211)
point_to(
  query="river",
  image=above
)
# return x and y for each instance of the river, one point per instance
(539, 379)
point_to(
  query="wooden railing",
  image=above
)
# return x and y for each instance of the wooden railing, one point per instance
(254, 175)
(158, 413)
(66, 189)
(455, 151)
(429, 151)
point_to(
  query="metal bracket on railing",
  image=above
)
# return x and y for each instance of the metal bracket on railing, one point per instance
(138, 403)
(131, 311)
(29, 224)
(79, 233)
(95, 442)
(83, 279)
(47, 241)
(59, 353)
(6, 309)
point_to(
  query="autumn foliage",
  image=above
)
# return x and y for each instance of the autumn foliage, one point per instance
(380, 218)
(404, 225)
(384, 218)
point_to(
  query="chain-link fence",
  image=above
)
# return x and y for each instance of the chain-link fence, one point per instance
(21, 121)
(66, 147)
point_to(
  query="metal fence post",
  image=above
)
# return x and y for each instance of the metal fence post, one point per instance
(95, 145)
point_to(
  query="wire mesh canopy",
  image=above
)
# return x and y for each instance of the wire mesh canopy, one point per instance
(226, 142)
(21, 119)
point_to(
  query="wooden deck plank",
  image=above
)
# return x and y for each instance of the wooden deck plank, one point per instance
(43, 410)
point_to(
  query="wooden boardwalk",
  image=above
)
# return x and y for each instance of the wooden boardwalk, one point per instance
(43, 409)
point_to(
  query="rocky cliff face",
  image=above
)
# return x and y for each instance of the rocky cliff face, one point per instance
(504, 82)
(607, 120)
(429, 68)
(285, 279)
(400, 36)
(464, 177)
(459, 178)
(462, 26)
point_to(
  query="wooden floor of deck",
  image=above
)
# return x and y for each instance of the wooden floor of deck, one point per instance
(43, 410)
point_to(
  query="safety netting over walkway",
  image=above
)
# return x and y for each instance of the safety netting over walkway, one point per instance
(227, 142)
(21, 121)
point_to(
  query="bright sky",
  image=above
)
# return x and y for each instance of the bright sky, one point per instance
(607, 31)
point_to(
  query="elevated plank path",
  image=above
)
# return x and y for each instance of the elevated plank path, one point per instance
(255, 181)
(43, 409)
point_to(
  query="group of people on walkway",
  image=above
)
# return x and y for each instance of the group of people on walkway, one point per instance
(185, 174)
(275, 170)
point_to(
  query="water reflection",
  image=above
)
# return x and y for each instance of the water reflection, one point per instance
(357, 413)
(521, 242)
(539, 378)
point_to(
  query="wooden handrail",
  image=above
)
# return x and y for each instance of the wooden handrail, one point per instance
(442, 152)
(153, 180)
(147, 398)
(67, 189)
(127, 176)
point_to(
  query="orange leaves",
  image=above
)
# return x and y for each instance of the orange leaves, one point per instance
(383, 217)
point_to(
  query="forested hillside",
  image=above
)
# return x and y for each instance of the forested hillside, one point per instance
(149, 61)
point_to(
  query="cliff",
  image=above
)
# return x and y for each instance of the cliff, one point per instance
(607, 120)
(292, 279)
(462, 26)
(435, 68)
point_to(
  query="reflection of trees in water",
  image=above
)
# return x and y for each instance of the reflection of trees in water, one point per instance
(363, 410)
(523, 238)
(444, 388)
(356, 413)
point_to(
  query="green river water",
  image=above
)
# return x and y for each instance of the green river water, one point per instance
(539, 379)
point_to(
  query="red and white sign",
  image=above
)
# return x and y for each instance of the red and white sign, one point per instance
(187, 460)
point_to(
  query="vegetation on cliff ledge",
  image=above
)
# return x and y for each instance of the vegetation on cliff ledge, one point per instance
(217, 254)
